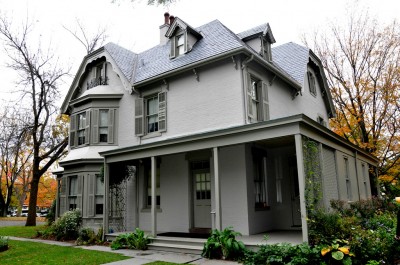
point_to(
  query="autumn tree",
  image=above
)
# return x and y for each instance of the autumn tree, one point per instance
(39, 78)
(362, 62)
(14, 153)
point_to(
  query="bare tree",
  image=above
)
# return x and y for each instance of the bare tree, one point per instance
(14, 153)
(362, 62)
(90, 42)
(39, 77)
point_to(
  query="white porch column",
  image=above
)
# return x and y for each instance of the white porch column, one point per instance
(153, 197)
(106, 201)
(217, 193)
(301, 177)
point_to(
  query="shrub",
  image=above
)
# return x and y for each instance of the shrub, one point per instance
(136, 240)
(283, 253)
(87, 236)
(223, 245)
(64, 228)
(51, 215)
(3, 243)
(337, 253)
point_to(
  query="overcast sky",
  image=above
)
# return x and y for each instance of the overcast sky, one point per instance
(135, 26)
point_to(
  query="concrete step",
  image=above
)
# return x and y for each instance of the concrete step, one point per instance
(174, 247)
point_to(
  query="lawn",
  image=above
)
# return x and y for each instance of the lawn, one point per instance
(21, 252)
(20, 231)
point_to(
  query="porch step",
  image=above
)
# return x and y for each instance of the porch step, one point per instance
(176, 244)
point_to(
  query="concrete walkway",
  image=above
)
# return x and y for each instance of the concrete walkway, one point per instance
(138, 257)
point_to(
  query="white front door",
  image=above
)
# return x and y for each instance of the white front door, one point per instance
(202, 198)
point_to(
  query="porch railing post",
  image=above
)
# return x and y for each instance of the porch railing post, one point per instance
(106, 198)
(301, 177)
(217, 190)
(153, 197)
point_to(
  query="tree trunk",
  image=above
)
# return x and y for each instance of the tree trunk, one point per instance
(31, 220)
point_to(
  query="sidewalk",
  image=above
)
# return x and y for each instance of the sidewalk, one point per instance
(139, 257)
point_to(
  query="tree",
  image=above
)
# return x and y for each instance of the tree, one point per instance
(39, 77)
(14, 153)
(90, 42)
(362, 62)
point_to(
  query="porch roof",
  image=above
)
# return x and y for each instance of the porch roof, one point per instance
(278, 130)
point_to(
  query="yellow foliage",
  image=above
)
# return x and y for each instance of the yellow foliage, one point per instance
(324, 251)
(345, 250)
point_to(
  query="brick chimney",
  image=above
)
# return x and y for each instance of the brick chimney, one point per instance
(164, 28)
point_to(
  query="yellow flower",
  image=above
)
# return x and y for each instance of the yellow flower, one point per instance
(345, 250)
(325, 250)
(398, 199)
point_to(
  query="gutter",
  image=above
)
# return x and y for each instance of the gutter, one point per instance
(230, 53)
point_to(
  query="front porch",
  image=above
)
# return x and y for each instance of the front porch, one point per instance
(195, 245)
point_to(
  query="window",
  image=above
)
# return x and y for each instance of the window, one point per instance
(73, 192)
(266, 49)
(260, 176)
(99, 77)
(311, 83)
(81, 128)
(99, 195)
(257, 100)
(151, 114)
(180, 44)
(364, 174)
(347, 178)
(103, 126)
(148, 184)
(202, 178)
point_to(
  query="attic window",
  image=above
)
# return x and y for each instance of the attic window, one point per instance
(178, 45)
(266, 50)
(311, 83)
(98, 75)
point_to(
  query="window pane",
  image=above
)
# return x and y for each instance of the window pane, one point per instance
(103, 135)
(152, 106)
(103, 118)
(181, 40)
(73, 187)
(99, 186)
(81, 120)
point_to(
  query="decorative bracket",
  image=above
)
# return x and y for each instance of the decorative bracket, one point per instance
(196, 74)
(272, 80)
(133, 91)
(295, 93)
(234, 62)
(165, 82)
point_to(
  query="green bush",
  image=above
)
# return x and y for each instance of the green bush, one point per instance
(223, 245)
(51, 215)
(283, 253)
(65, 228)
(3, 243)
(87, 236)
(136, 240)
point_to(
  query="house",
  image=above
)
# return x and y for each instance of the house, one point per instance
(205, 130)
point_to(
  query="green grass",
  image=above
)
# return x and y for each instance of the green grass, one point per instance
(21, 252)
(20, 231)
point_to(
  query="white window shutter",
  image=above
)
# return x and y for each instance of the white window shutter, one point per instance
(111, 118)
(162, 111)
(87, 127)
(103, 71)
(139, 117)
(173, 47)
(265, 101)
(95, 126)
(91, 195)
(250, 113)
(72, 131)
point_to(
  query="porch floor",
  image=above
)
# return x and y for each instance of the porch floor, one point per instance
(279, 236)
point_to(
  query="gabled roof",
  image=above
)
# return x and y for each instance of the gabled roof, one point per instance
(263, 29)
(125, 59)
(183, 25)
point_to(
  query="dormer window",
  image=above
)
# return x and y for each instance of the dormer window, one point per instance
(266, 50)
(98, 75)
(180, 44)
(311, 84)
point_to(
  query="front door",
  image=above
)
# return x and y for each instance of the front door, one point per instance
(201, 194)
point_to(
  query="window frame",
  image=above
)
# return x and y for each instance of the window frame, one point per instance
(312, 83)
(347, 178)
(98, 195)
(73, 197)
(141, 117)
(260, 177)
(257, 99)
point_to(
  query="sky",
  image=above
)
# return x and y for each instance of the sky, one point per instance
(135, 25)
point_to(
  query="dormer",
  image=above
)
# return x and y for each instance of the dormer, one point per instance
(183, 37)
(259, 39)
(97, 73)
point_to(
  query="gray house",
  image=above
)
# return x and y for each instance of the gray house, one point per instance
(205, 130)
